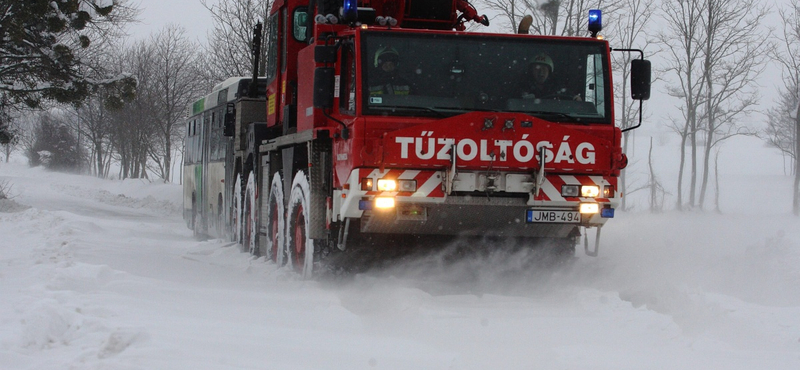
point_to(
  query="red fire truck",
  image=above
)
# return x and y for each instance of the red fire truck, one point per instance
(384, 117)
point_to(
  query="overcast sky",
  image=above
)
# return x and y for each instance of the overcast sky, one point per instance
(155, 14)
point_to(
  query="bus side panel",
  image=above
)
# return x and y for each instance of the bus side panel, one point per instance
(214, 188)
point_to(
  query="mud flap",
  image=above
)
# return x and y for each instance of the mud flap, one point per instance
(319, 152)
(596, 250)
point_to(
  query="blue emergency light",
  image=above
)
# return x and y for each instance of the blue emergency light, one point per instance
(595, 21)
(350, 11)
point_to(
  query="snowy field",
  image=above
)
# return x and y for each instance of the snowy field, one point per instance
(105, 275)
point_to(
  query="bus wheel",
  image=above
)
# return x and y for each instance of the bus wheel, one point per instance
(236, 221)
(299, 247)
(275, 222)
(250, 227)
(197, 224)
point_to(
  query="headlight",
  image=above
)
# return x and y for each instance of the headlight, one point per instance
(570, 190)
(589, 208)
(590, 191)
(387, 185)
(408, 185)
(384, 202)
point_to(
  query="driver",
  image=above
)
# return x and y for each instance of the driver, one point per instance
(538, 84)
(387, 81)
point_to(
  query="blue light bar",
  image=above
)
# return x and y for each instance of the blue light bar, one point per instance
(607, 212)
(350, 10)
(595, 21)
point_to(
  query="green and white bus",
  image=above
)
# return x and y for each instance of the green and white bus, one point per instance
(210, 170)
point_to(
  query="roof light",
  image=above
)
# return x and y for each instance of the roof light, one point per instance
(350, 11)
(595, 21)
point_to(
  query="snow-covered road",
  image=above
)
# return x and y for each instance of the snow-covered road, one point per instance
(105, 275)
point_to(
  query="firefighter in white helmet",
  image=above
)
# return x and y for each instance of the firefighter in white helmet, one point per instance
(539, 84)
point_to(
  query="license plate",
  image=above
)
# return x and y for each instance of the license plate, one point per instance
(556, 217)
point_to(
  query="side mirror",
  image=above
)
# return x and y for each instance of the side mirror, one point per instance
(323, 87)
(230, 120)
(325, 54)
(640, 79)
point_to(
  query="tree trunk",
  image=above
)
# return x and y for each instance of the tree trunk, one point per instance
(796, 189)
(716, 183)
(168, 156)
(653, 181)
(693, 180)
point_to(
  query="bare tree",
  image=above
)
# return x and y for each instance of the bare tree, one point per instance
(735, 52)
(629, 33)
(132, 126)
(784, 120)
(174, 86)
(228, 52)
(717, 49)
(551, 17)
(681, 38)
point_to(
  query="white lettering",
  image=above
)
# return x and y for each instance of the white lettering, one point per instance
(523, 151)
(585, 153)
(529, 152)
(564, 153)
(431, 148)
(473, 149)
(503, 145)
(404, 141)
(485, 156)
(444, 151)
(548, 154)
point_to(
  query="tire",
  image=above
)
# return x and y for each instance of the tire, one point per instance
(197, 225)
(236, 216)
(275, 222)
(220, 219)
(299, 248)
(250, 217)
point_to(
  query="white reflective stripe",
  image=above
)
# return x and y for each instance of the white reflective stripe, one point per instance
(550, 190)
(599, 180)
(408, 175)
(570, 180)
(428, 187)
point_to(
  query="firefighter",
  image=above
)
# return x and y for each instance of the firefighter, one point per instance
(387, 80)
(538, 83)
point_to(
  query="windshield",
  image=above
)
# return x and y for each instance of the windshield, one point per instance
(443, 75)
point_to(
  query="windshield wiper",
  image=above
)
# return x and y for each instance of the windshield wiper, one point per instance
(555, 114)
(427, 109)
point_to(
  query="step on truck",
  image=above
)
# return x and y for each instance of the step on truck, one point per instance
(380, 118)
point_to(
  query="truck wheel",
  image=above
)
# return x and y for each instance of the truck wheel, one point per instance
(237, 210)
(275, 222)
(250, 225)
(299, 247)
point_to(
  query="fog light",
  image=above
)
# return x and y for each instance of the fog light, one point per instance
(384, 202)
(590, 191)
(570, 190)
(589, 208)
(387, 185)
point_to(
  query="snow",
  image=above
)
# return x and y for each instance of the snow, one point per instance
(99, 274)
